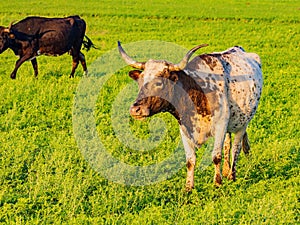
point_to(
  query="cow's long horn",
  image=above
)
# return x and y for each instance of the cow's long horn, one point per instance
(129, 60)
(182, 64)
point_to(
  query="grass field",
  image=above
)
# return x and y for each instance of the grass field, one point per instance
(44, 177)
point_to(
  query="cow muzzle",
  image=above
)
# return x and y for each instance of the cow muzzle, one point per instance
(139, 112)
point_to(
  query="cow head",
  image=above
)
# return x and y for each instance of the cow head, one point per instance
(5, 35)
(157, 80)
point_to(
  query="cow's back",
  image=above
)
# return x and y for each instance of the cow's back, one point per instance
(234, 75)
(55, 36)
(29, 25)
(34, 24)
(244, 86)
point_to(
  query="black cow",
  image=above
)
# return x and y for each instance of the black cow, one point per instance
(34, 36)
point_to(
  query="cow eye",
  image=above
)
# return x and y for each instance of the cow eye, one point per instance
(159, 84)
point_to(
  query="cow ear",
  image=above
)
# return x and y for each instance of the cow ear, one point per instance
(135, 74)
(174, 76)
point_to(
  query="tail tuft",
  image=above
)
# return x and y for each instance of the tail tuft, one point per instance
(88, 44)
(246, 144)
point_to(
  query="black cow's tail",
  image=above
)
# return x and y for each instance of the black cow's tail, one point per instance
(88, 44)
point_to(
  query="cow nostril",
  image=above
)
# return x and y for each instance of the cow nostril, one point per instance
(137, 109)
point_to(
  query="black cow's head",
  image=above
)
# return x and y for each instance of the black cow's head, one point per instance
(157, 81)
(4, 39)
(5, 35)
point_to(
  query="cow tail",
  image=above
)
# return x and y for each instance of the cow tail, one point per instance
(246, 144)
(88, 44)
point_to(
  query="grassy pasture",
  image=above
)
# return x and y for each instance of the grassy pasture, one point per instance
(44, 179)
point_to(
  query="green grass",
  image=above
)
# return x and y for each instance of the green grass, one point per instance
(44, 178)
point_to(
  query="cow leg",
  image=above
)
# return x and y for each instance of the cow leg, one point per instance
(236, 148)
(227, 147)
(19, 62)
(74, 66)
(190, 154)
(75, 62)
(35, 66)
(217, 152)
(83, 63)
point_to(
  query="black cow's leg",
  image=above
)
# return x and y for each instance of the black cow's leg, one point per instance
(35, 66)
(75, 62)
(74, 66)
(83, 63)
(18, 64)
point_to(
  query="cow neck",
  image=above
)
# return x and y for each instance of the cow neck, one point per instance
(184, 112)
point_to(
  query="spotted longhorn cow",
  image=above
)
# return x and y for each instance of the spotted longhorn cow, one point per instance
(213, 95)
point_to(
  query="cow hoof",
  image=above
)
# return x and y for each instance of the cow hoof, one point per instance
(12, 76)
(226, 171)
(218, 180)
(231, 176)
(189, 186)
